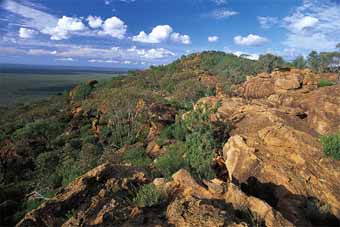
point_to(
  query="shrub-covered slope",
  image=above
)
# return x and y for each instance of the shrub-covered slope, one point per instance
(150, 126)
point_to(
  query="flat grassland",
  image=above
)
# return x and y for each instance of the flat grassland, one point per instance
(21, 88)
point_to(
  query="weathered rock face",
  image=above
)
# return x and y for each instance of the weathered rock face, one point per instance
(99, 198)
(265, 84)
(275, 151)
(191, 212)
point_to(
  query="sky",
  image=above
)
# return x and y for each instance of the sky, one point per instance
(140, 33)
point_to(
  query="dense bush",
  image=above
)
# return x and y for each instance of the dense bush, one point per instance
(325, 83)
(137, 157)
(200, 153)
(82, 91)
(196, 141)
(172, 160)
(42, 131)
(148, 195)
(331, 145)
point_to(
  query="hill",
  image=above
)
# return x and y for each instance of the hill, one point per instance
(199, 142)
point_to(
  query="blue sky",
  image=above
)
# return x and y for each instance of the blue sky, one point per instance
(140, 33)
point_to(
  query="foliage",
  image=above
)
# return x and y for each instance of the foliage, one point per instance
(269, 62)
(69, 171)
(299, 62)
(194, 148)
(82, 91)
(199, 150)
(137, 157)
(172, 160)
(148, 195)
(126, 128)
(176, 131)
(325, 83)
(331, 145)
(42, 130)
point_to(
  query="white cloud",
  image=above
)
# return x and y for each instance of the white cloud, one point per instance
(157, 53)
(110, 61)
(114, 27)
(65, 27)
(222, 13)
(29, 16)
(178, 38)
(315, 25)
(219, 2)
(151, 53)
(38, 52)
(267, 22)
(93, 53)
(250, 40)
(299, 23)
(158, 34)
(26, 33)
(94, 21)
(66, 59)
(162, 33)
(212, 39)
(246, 55)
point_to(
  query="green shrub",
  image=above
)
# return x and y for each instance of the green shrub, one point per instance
(171, 161)
(199, 154)
(32, 204)
(44, 131)
(69, 170)
(148, 195)
(325, 83)
(82, 91)
(331, 145)
(137, 157)
(89, 156)
(126, 128)
(47, 162)
(175, 131)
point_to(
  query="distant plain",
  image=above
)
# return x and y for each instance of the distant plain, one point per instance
(25, 85)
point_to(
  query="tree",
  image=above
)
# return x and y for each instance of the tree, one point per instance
(299, 62)
(314, 61)
(269, 62)
(7, 154)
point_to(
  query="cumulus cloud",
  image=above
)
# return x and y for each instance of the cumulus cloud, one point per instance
(94, 21)
(222, 13)
(65, 27)
(161, 33)
(250, 40)
(114, 27)
(213, 39)
(178, 38)
(26, 33)
(267, 22)
(158, 34)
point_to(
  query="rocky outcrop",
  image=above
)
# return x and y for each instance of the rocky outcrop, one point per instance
(275, 153)
(99, 198)
(264, 85)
